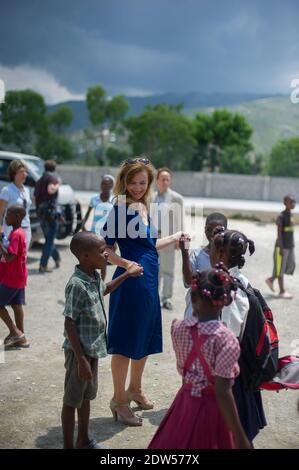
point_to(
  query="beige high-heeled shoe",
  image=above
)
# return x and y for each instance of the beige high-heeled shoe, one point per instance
(117, 415)
(140, 400)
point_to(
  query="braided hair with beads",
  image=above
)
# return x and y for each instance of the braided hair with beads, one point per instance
(216, 286)
(235, 242)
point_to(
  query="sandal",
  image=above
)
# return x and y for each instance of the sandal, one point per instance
(117, 415)
(140, 400)
(7, 338)
(16, 341)
(92, 444)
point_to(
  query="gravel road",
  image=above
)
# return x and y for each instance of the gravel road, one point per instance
(32, 380)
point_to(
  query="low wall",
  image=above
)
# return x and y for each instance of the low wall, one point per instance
(196, 184)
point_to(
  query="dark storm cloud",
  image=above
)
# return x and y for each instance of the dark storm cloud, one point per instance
(155, 45)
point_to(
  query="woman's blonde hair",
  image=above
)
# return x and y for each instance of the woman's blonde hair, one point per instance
(14, 167)
(129, 169)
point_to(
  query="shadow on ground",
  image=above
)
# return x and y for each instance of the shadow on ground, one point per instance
(274, 297)
(31, 259)
(35, 271)
(37, 246)
(101, 429)
(155, 417)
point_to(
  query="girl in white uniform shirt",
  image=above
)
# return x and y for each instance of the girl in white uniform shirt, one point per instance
(229, 247)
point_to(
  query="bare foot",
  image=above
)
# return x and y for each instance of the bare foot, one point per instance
(269, 283)
(285, 295)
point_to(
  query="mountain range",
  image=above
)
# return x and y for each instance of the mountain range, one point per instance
(272, 117)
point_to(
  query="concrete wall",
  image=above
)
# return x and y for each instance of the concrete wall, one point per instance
(196, 184)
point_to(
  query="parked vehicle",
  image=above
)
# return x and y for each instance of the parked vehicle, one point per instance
(69, 205)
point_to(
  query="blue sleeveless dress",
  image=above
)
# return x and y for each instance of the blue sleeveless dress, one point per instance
(135, 324)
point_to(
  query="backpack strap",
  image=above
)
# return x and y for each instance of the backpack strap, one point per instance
(196, 352)
(190, 359)
(198, 342)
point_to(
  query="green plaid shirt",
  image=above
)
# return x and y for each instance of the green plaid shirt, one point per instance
(84, 304)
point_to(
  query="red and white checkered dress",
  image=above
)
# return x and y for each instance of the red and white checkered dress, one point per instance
(221, 351)
(194, 420)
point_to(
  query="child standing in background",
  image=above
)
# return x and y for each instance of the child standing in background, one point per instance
(203, 414)
(13, 277)
(101, 205)
(284, 255)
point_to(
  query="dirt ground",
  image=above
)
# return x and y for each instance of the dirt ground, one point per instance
(32, 380)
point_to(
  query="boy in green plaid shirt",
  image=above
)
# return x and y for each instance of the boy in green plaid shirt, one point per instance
(85, 333)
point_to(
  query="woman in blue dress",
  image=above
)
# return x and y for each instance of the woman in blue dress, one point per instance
(135, 326)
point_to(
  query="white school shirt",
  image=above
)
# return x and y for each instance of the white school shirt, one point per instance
(235, 314)
(199, 261)
(101, 212)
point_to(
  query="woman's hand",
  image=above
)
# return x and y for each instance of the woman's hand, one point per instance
(173, 240)
(129, 264)
(135, 270)
(182, 240)
(181, 236)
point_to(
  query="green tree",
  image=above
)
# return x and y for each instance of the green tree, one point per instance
(284, 158)
(60, 119)
(116, 156)
(231, 129)
(222, 135)
(164, 134)
(23, 119)
(104, 114)
(56, 147)
(96, 104)
(26, 126)
(234, 159)
(116, 110)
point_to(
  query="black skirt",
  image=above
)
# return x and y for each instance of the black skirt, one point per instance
(250, 409)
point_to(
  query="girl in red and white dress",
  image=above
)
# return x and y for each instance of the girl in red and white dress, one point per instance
(203, 414)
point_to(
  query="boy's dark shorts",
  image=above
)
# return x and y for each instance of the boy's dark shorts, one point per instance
(11, 295)
(75, 389)
(284, 264)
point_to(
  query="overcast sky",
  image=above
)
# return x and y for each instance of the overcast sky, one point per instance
(139, 47)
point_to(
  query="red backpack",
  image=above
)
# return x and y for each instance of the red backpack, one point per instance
(259, 343)
(259, 363)
(287, 375)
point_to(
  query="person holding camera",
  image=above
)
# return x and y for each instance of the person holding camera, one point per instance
(46, 194)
